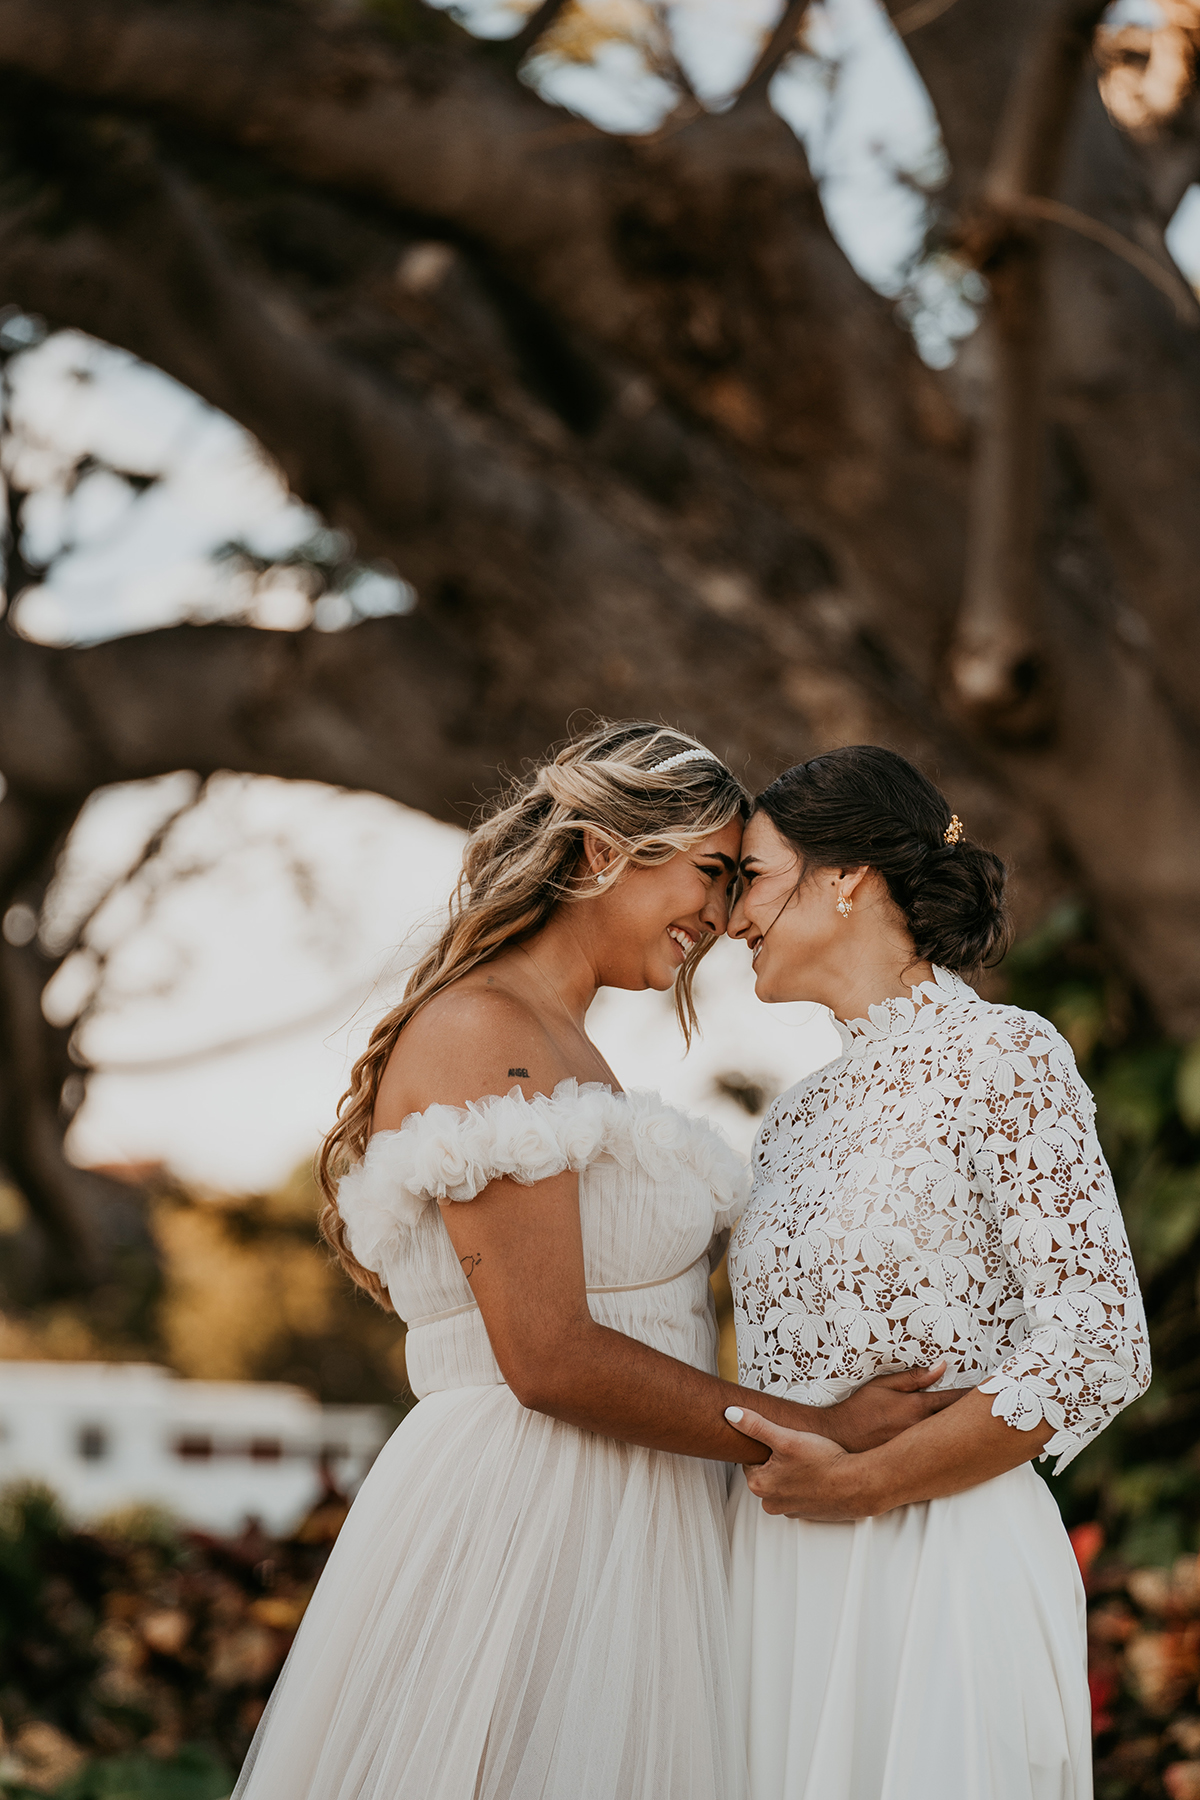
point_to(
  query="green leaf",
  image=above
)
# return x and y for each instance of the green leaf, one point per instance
(1187, 1087)
(193, 1774)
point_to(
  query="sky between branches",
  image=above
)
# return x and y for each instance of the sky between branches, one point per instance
(278, 919)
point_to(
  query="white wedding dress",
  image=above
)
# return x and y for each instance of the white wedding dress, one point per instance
(937, 1191)
(516, 1609)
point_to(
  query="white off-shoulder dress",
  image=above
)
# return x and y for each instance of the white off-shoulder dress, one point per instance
(937, 1191)
(517, 1609)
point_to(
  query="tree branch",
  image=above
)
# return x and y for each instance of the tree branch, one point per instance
(378, 462)
(1037, 116)
(537, 568)
(493, 659)
(1117, 369)
(391, 469)
(536, 26)
(912, 17)
(1169, 283)
(599, 228)
(778, 46)
(83, 1218)
(998, 663)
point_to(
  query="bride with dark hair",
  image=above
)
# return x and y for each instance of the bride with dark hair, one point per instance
(529, 1598)
(909, 1621)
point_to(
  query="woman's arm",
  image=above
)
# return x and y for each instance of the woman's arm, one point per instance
(521, 1249)
(808, 1477)
(1084, 1353)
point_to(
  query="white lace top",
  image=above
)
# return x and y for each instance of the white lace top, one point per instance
(655, 1187)
(939, 1190)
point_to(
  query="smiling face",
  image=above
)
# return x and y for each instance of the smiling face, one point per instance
(788, 919)
(801, 946)
(645, 928)
(775, 917)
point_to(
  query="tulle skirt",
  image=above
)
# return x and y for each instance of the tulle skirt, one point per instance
(934, 1653)
(515, 1610)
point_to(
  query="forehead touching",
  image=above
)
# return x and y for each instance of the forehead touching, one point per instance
(726, 844)
(763, 847)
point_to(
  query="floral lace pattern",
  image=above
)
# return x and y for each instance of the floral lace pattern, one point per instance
(940, 1191)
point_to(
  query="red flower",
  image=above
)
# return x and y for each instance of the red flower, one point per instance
(1087, 1541)
(1104, 1687)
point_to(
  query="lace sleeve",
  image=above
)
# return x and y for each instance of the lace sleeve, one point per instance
(1084, 1354)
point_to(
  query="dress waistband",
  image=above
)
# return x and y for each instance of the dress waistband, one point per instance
(631, 1287)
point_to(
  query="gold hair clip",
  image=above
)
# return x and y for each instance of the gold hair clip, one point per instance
(954, 831)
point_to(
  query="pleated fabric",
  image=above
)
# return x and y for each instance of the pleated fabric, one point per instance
(937, 1652)
(654, 1186)
(517, 1609)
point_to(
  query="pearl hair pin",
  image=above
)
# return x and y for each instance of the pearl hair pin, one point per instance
(955, 831)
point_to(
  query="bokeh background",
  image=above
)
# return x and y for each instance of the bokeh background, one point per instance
(386, 388)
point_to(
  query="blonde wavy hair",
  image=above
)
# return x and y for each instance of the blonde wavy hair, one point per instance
(523, 859)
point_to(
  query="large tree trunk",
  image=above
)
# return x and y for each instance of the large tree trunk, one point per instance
(626, 417)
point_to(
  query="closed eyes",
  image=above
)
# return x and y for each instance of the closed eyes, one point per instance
(714, 871)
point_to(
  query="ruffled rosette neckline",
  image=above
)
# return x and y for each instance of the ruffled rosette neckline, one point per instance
(453, 1152)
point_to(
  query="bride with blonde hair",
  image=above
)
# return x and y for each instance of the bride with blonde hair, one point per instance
(528, 1600)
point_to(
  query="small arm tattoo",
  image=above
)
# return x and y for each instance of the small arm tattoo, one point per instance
(522, 1072)
(470, 1263)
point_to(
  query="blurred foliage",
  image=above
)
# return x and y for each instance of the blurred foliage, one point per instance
(1143, 1670)
(1147, 1090)
(115, 1320)
(194, 1774)
(251, 1293)
(135, 1657)
(244, 1291)
(1141, 1479)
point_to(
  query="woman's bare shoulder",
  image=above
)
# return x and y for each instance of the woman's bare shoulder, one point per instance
(477, 1038)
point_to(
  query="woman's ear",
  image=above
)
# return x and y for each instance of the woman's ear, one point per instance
(598, 857)
(850, 878)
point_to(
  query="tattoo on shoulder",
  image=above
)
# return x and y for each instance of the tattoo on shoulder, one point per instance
(524, 1073)
(470, 1263)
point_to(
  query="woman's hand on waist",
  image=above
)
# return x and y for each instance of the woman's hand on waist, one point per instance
(805, 1476)
(881, 1409)
(811, 1477)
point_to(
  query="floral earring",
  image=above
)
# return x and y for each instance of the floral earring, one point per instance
(845, 907)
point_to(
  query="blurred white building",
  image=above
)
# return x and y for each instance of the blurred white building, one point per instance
(109, 1435)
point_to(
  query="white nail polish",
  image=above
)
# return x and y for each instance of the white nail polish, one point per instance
(734, 1414)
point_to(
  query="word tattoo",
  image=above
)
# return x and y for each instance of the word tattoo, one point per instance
(522, 1072)
(470, 1263)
